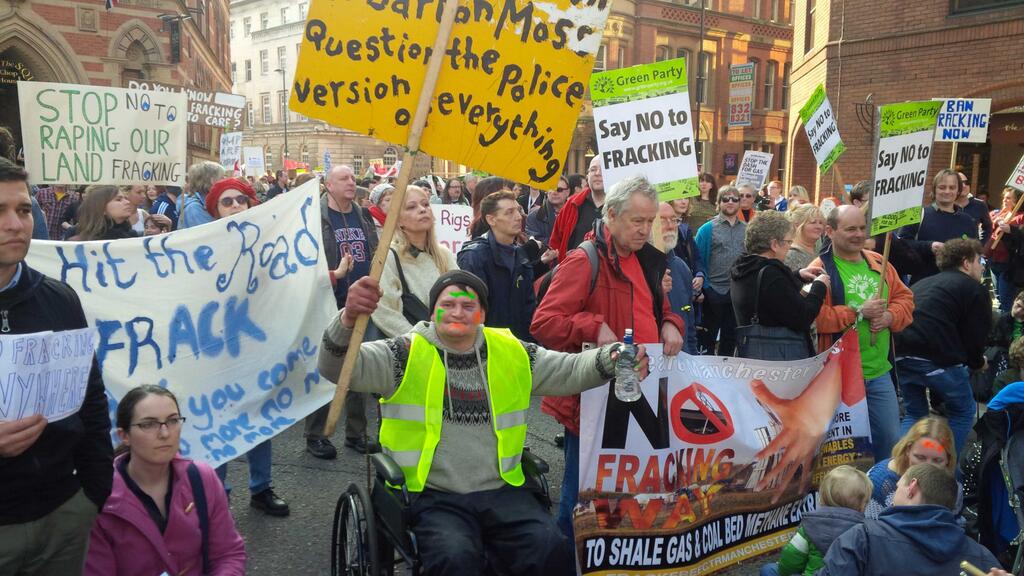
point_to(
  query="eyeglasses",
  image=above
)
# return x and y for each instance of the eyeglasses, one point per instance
(227, 201)
(172, 423)
(729, 199)
(746, 195)
(963, 181)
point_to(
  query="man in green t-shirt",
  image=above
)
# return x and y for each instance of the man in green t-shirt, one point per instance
(852, 299)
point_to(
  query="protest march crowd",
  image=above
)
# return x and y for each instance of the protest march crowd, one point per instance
(539, 299)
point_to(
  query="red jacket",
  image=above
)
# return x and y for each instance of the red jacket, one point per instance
(569, 316)
(565, 223)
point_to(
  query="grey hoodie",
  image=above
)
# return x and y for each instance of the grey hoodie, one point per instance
(465, 459)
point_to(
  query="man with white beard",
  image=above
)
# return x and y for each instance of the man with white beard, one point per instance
(680, 295)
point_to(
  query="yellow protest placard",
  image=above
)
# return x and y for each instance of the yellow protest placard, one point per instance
(508, 94)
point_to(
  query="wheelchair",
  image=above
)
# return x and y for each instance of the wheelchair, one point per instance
(371, 534)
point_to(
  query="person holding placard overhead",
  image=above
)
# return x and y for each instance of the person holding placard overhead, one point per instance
(941, 221)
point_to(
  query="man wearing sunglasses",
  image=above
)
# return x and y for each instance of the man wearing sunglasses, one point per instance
(720, 243)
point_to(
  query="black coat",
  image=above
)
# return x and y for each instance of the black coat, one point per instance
(952, 319)
(72, 453)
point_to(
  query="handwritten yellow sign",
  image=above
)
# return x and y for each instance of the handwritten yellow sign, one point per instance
(508, 95)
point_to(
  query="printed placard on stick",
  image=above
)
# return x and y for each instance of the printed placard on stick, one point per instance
(754, 168)
(963, 120)
(230, 149)
(204, 108)
(1016, 179)
(822, 130)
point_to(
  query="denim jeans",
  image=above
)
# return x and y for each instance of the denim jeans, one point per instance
(883, 415)
(570, 485)
(771, 569)
(951, 384)
(259, 469)
(1005, 290)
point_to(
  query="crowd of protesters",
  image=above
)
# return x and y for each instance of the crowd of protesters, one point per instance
(563, 269)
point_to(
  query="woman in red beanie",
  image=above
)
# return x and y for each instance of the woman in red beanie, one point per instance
(230, 196)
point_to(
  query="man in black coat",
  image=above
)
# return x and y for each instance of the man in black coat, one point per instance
(54, 476)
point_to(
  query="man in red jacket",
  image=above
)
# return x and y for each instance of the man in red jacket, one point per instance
(576, 218)
(627, 294)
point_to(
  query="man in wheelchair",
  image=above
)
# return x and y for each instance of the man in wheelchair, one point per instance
(454, 397)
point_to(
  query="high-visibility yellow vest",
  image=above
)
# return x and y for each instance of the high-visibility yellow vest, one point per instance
(411, 417)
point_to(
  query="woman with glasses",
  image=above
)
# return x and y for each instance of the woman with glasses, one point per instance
(153, 522)
(748, 194)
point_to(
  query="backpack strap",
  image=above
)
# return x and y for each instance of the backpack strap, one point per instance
(401, 275)
(590, 248)
(199, 496)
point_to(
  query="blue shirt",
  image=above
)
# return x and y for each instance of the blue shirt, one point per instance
(351, 239)
(14, 279)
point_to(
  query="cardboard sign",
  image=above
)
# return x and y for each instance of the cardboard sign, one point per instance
(244, 302)
(903, 150)
(204, 108)
(822, 131)
(644, 127)
(670, 483)
(754, 169)
(451, 225)
(76, 134)
(508, 94)
(963, 120)
(230, 149)
(1016, 179)
(253, 160)
(44, 373)
(741, 94)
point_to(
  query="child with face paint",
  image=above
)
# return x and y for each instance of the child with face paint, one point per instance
(929, 441)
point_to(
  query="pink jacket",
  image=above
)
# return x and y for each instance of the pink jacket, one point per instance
(125, 540)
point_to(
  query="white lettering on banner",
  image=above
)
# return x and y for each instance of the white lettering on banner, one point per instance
(44, 373)
(228, 315)
(451, 225)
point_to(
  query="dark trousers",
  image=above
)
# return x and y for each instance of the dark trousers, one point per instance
(355, 417)
(506, 529)
(718, 317)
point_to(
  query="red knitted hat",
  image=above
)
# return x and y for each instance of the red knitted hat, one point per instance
(213, 196)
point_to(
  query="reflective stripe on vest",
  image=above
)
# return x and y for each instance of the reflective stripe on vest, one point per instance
(411, 417)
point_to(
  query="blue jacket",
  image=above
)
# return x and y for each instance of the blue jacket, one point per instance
(39, 231)
(164, 205)
(194, 212)
(509, 281)
(687, 249)
(904, 541)
(681, 298)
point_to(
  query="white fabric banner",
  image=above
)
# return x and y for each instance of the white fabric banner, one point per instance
(228, 315)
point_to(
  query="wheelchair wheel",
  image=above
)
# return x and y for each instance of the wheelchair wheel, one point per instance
(354, 538)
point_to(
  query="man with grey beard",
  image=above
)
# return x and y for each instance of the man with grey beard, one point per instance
(680, 294)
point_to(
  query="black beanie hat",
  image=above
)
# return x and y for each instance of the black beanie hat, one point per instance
(458, 277)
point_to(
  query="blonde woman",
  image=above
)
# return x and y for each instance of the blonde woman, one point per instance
(421, 259)
(808, 226)
(797, 195)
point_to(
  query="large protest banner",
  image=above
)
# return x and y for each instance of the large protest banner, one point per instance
(644, 127)
(204, 108)
(902, 152)
(754, 168)
(76, 134)
(673, 483)
(1016, 179)
(508, 93)
(451, 225)
(44, 373)
(822, 131)
(963, 120)
(227, 315)
(741, 94)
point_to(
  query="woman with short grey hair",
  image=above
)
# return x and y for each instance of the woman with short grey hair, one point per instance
(192, 204)
(773, 317)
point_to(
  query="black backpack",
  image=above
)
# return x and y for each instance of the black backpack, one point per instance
(587, 246)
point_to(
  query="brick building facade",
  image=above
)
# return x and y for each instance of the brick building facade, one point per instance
(176, 42)
(873, 53)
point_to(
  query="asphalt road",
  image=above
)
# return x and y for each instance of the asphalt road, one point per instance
(299, 544)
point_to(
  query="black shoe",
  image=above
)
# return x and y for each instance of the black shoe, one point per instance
(560, 439)
(269, 503)
(357, 444)
(321, 448)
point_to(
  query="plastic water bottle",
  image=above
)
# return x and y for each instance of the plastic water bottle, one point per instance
(627, 389)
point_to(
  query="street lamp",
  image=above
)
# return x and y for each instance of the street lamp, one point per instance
(284, 114)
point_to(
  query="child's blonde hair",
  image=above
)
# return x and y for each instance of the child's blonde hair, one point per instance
(845, 487)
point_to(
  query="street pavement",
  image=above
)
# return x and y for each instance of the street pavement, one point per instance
(299, 545)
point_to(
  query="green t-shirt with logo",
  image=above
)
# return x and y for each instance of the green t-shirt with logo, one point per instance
(860, 283)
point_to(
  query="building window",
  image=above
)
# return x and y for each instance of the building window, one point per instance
(247, 26)
(234, 73)
(699, 147)
(284, 15)
(265, 108)
(264, 62)
(302, 10)
(268, 158)
(770, 70)
(685, 55)
(282, 58)
(390, 156)
(264, 20)
(757, 9)
(748, 146)
(786, 69)
(621, 61)
(305, 154)
(662, 53)
(231, 30)
(249, 114)
(599, 60)
(248, 70)
(776, 8)
(704, 78)
(357, 165)
(809, 26)
(960, 6)
(282, 103)
(780, 172)
(753, 82)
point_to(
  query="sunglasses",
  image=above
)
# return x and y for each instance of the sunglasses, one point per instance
(729, 199)
(227, 201)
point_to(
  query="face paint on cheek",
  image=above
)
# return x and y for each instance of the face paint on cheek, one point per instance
(476, 317)
(440, 314)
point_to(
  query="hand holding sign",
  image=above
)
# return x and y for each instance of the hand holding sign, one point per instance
(19, 435)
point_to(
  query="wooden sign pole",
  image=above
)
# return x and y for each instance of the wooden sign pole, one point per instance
(881, 278)
(398, 199)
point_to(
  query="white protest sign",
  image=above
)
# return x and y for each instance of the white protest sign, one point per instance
(822, 131)
(77, 134)
(963, 120)
(204, 108)
(644, 128)
(230, 149)
(44, 373)
(451, 225)
(227, 315)
(904, 145)
(1016, 179)
(253, 160)
(754, 169)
